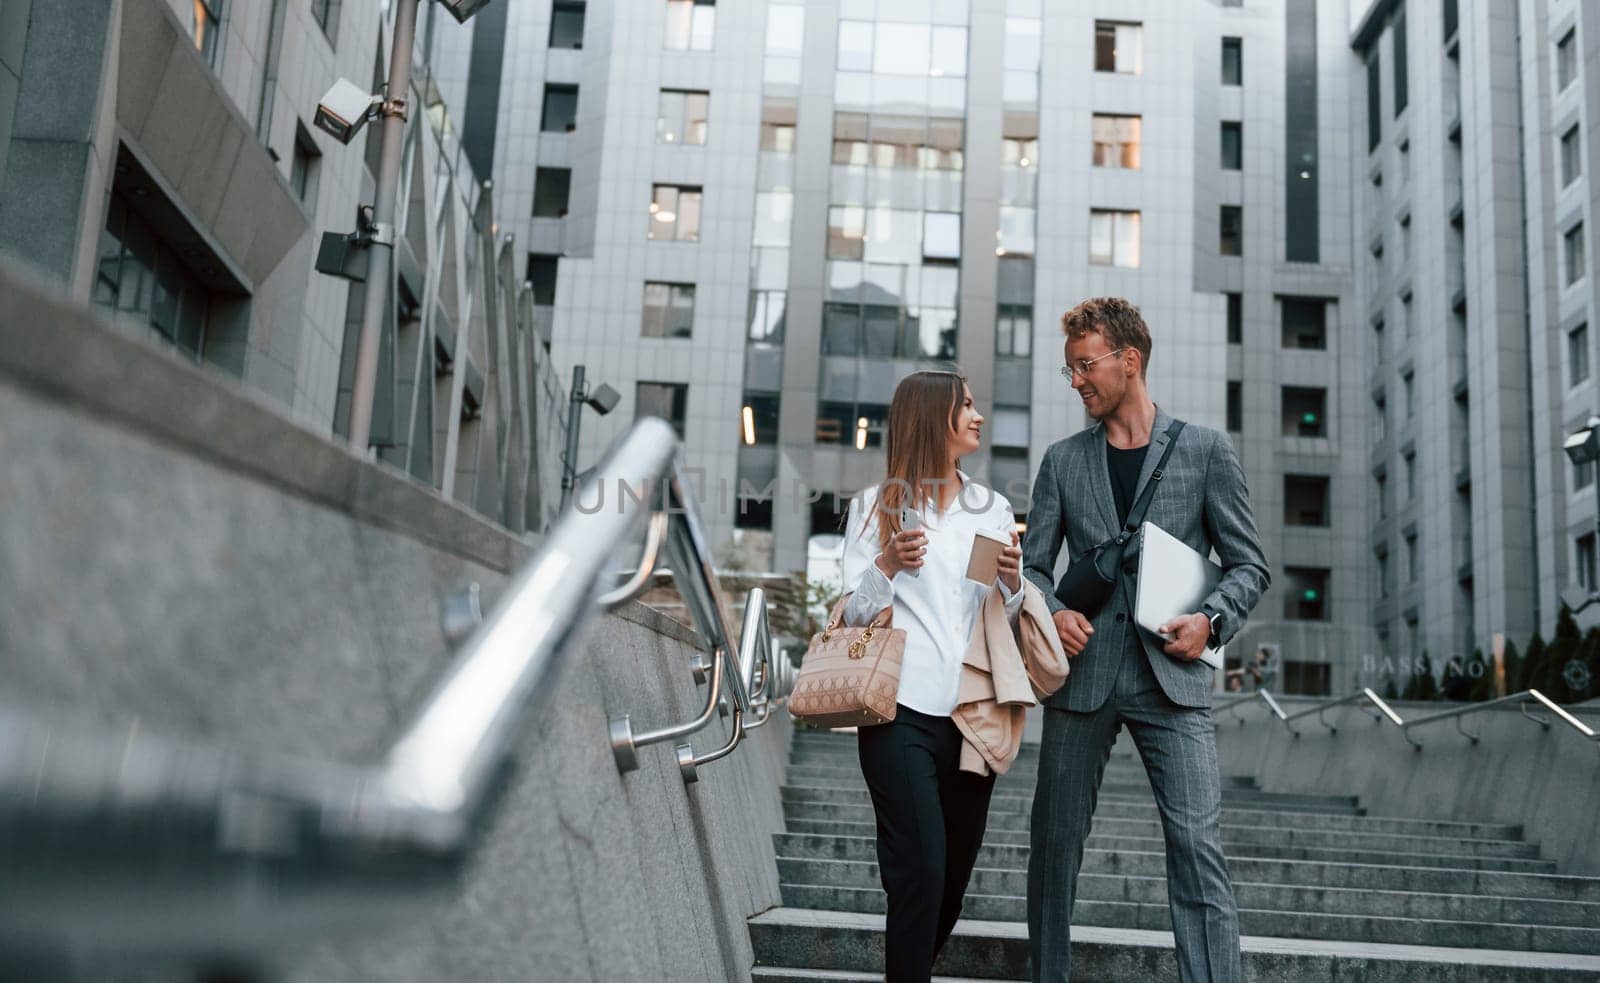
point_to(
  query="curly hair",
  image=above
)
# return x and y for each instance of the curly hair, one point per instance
(1115, 320)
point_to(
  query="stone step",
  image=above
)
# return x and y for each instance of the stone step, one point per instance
(1253, 835)
(1140, 788)
(1020, 777)
(853, 942)
(1009, 840)
(1259, 896)
(857, 795)
(1378, 877)
(1273, 924)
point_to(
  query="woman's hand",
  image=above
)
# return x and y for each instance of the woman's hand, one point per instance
(1011, 564)
(904, 552)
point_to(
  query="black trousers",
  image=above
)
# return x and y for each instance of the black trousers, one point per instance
(931, 818)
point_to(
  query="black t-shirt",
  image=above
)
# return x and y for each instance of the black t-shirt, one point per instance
(1124, 466)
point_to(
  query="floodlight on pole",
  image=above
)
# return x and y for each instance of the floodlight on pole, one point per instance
(602, 399)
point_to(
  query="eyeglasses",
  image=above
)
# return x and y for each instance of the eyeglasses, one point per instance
(1085, 364)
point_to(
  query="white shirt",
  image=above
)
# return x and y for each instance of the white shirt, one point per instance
(937, 608)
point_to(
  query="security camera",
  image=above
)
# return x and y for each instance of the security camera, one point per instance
(462, 9)
(603, 399)
(1583, 446)
(346, 109)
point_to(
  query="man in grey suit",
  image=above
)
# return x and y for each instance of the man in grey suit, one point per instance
(1120, 674)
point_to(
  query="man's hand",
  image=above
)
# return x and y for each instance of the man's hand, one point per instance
(1074, 630)
(1189, 632)
(1011, 565)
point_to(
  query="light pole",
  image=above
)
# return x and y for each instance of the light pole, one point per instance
(602, 400)
(342, 115)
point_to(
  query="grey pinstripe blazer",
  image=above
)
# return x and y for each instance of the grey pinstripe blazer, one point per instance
(1202, 500)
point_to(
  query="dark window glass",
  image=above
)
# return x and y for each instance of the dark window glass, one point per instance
(551, 186)
(542, 277)
(1232, 61)
(1232, 146)
(1305, 322)
(1305, 500)
(668, 310)
(1578, 354)
(1304, 410)
(1398, 34)
(560, 109)
(566, 24)
(1232, 228)
(841, 329)
(1374, 103)
(1305, 595)
(1235, 406)
(1566, 59)
(1302, 211)
(758, 419)
(1452, 17)
(1571, 156)
(1235, 318)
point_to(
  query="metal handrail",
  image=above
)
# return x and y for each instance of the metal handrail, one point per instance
(686, 552)
(1386, 712)
(237, 850)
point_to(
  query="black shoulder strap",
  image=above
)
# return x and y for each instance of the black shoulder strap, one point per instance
(1136, 516)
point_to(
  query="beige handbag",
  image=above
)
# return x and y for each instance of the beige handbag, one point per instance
(850, 677)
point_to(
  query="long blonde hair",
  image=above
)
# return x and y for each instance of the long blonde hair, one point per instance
(922, 416)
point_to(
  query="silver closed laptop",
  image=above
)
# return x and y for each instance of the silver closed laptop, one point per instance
(1173, 580)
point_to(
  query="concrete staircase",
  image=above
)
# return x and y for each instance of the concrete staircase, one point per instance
(1326, 893)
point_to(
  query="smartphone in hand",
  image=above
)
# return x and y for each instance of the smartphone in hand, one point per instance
(910, 519)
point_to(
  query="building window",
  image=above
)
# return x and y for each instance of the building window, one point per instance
(1566, 59)
(566, 24)
(144, 282)
(758, 419)
(765, 322)
(304, 166)
(1116, 141)
(206, 19)
(1452, 17)
(1397, 35)
(560, 109)
(1232, 146)
(1235, 318)
(1118, 47)
(1410, 463)
(1571, 156)
(1578, 354)
(1236, 407)
(1408, 383)
(1374, 103)
(1305, 500)
(1305, 322)
(668, 310)
(683, 116)
(1013, 330)
(941, 236)
(1413, 558)
(1303, 409)
(1378, 347)
(691, 24)
(668, 400)
(326, 14)
(1113, 238)
(1383, 575)
(1574, 253)
(551, 187)
(1381, 482)
(1231, 224)
(860, 425)
(541, 277)
(1585, 564)
(847, 225)
(1582, 475)
(1305, 594)
(1380, 420)
(674, 213)
(777, 137)
(1232, 61)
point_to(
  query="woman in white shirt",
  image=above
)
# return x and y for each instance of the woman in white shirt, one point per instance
(930, 815)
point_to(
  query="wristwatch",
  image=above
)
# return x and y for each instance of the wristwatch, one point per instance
(1214, 641)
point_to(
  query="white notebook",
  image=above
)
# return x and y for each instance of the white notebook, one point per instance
(1173, 580)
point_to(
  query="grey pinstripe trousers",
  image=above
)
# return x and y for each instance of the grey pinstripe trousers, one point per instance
(1179, 748)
